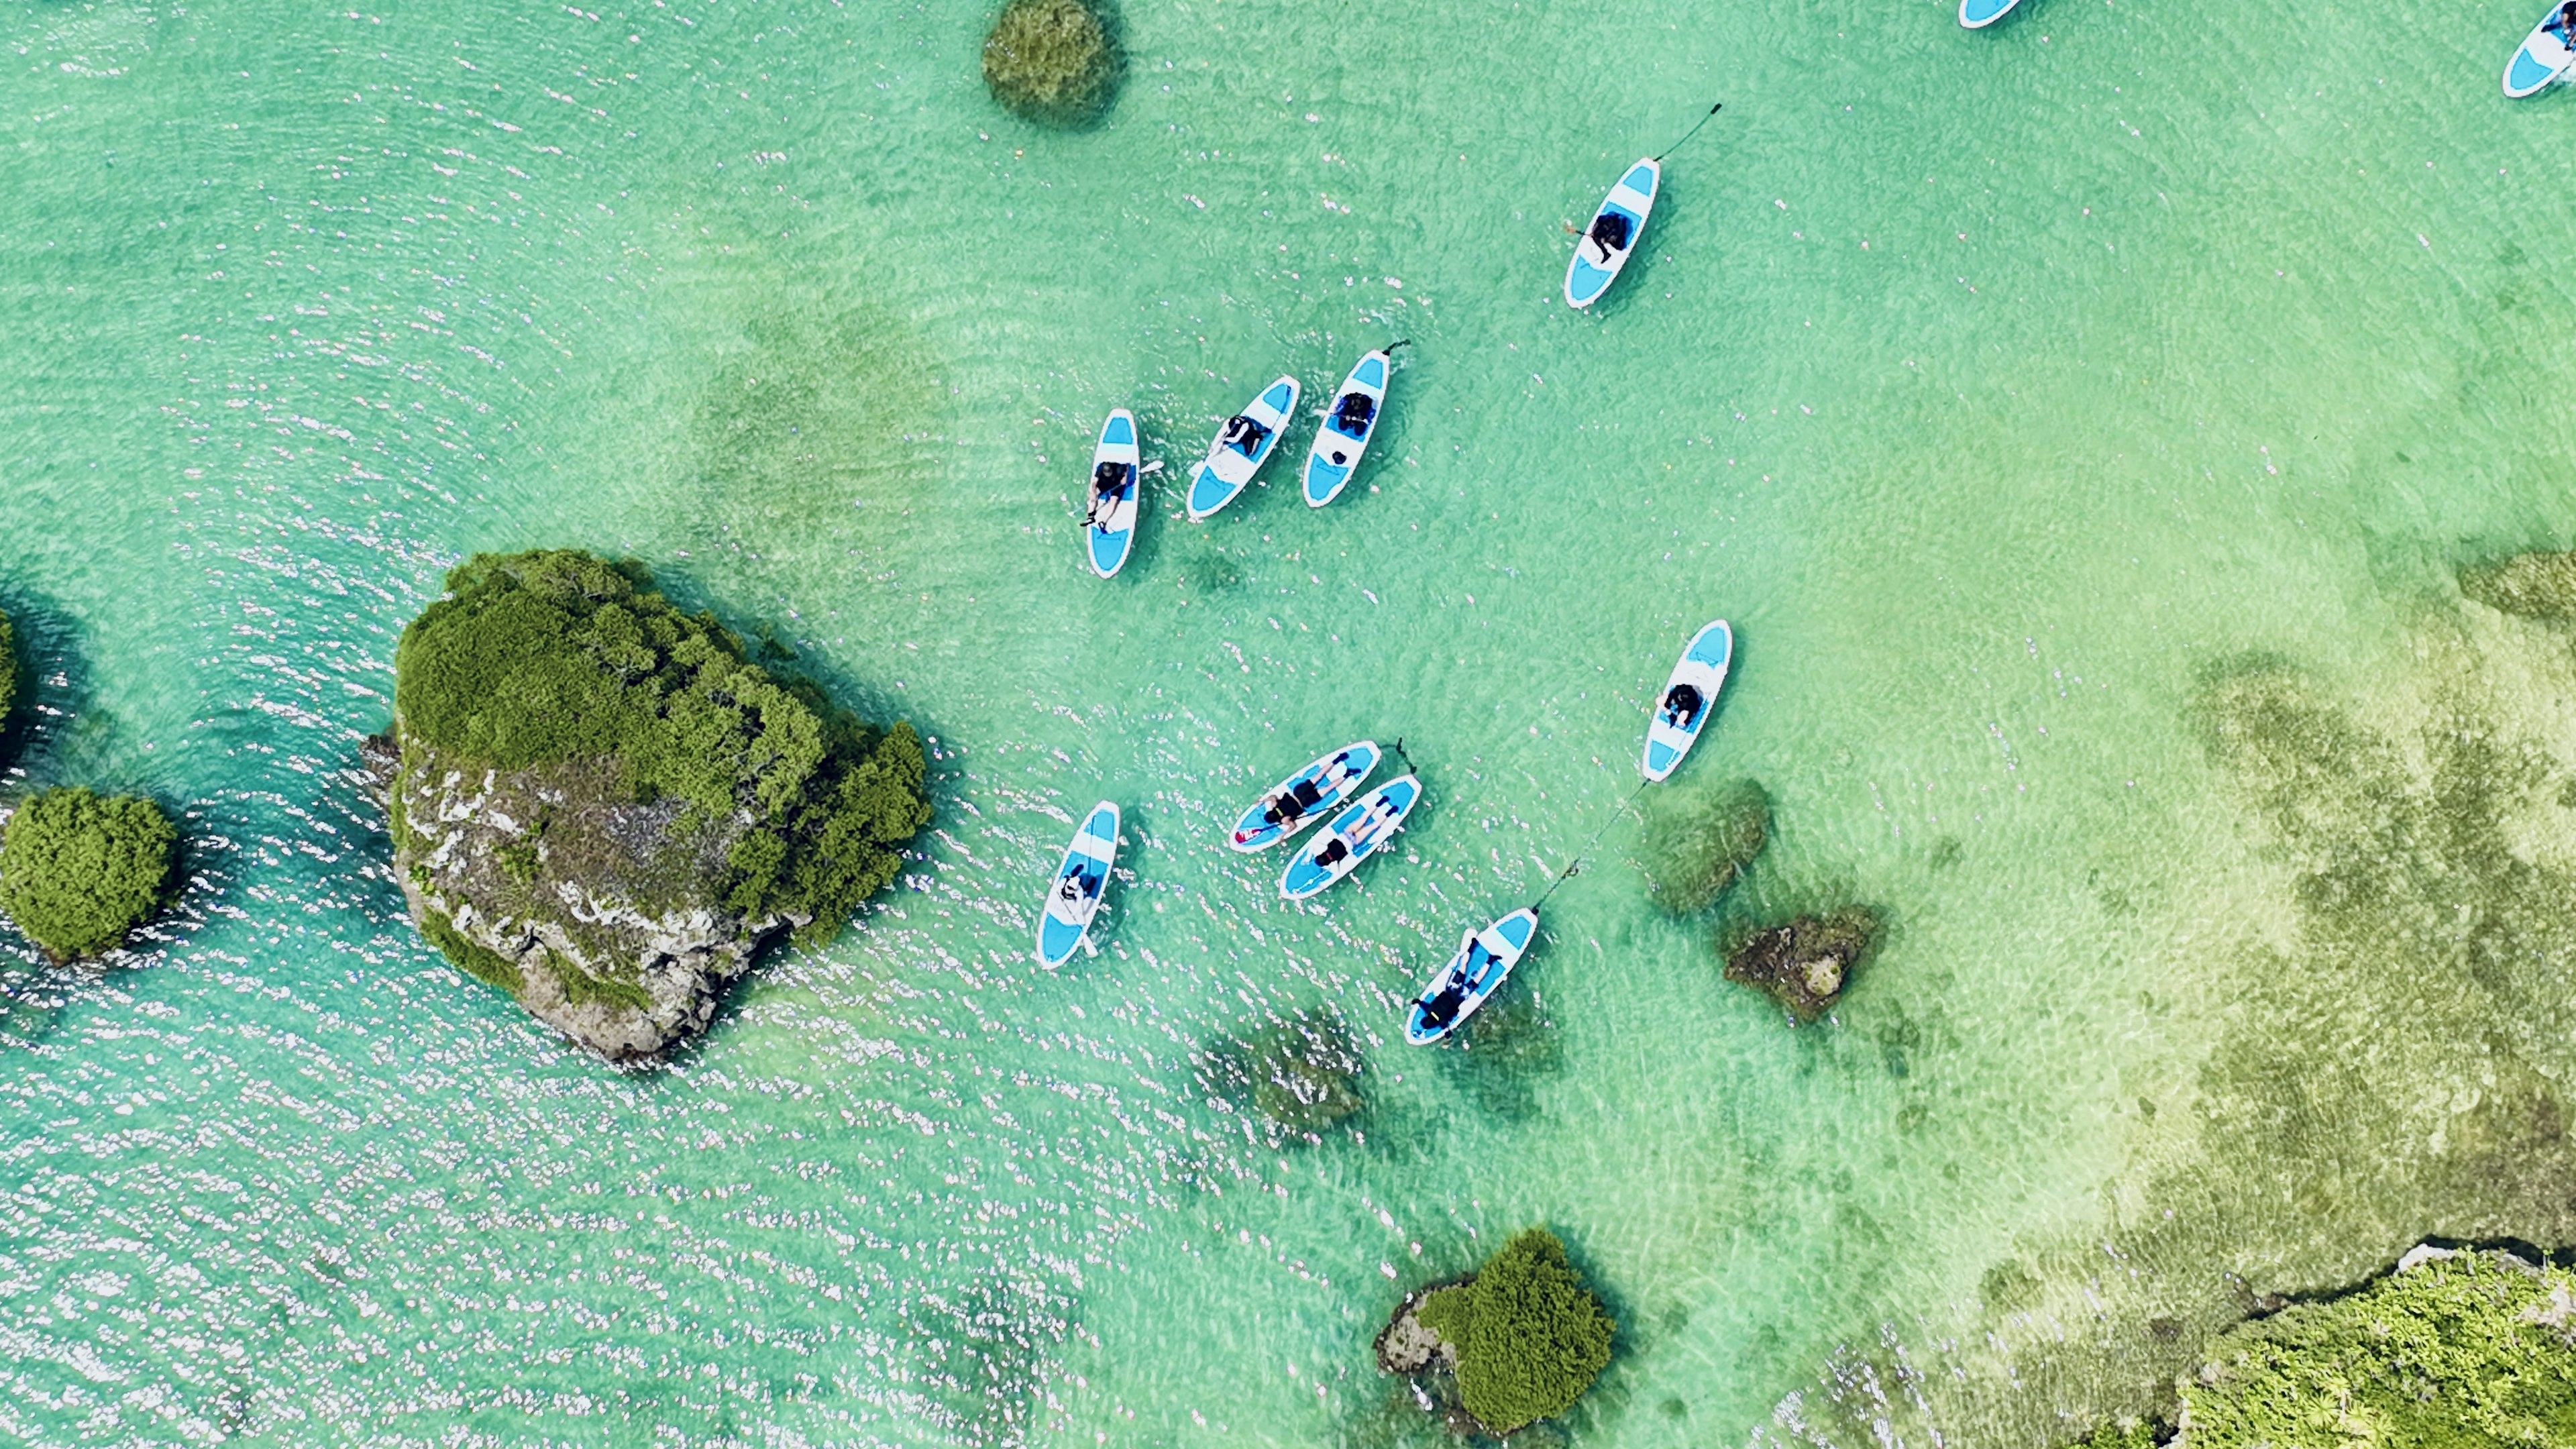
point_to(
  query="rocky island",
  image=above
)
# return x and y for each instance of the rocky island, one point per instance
(1512, 1343)
(601, 807)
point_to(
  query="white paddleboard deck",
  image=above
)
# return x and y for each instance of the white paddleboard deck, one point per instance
(2544, 57)
(1242, 445)
(1117, 483)
(1469, 978)
(1689, 697)
(1313, 793)
(1602, 252)
(1348, 425)
(1360, 831)
(1073, 897)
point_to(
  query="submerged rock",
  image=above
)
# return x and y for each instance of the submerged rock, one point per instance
(1055, 62)
(1698, 839)
(1806, 963)
(2534, 585)
(1296, 1077)
(601, 809)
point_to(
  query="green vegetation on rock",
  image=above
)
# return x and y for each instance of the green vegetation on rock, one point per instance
(2534, 585)
(553, 656)
(1053, 61)
(2463, 1352)
(1526, 1334)
(78, 871)
(1699, 838)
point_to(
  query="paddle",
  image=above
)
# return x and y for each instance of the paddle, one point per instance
(1693, 131)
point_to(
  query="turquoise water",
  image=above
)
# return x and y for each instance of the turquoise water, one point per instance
(2054, 410)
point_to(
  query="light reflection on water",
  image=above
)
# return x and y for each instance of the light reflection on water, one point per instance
(1986, 509)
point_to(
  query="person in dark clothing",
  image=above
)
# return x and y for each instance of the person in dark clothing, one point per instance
(2563, 24)
(1611, 232)
(1335, 851)
(1110, 483)
(1440, 1010)
(1244, 433)
(1355, 411)
(1682, 704)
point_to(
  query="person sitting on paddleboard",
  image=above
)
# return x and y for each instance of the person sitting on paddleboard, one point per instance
(1108, 488)
(2563, 24)
(1243, 433)
(1610, 233)
(1353, 415)
(1682, 703)
(1077, 884)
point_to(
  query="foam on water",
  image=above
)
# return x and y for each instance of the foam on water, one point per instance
(2080, 421)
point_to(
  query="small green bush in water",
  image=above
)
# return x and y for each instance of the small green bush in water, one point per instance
(1052, 61)
(77, 871)
(2459, 1352)
(1530, 1338)
(1699, 838)
(536, 658)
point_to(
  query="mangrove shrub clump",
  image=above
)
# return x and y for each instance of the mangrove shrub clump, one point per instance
(1526, 1335)
(1699, 838)
(2472, 1349)
(78, 871)
(1055, 62)
(603, 808)
(1806, 963)
(2534, 585)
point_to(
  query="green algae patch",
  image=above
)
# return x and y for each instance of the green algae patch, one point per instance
(1055, 62)
(1525, 1334)
(78, 870)
(2462, 1352)
(1699, 838)
(1294, 1078)
(2533, 585)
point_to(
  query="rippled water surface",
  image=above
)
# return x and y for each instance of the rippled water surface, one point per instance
(2081, 422)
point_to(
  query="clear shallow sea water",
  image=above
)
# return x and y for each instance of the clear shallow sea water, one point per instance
(2030, 400)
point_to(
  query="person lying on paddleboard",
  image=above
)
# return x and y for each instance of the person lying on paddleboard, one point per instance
(1441, 1009)
(1109, 484)
(1682, 703)
(1293, 803)
(1243, 434)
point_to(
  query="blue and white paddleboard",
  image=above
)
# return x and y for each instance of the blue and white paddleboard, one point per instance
(1484, 958)
(1109, 519)
(2544, 57)
(1353, 836)
(1689, 698)
(1305, 797)
(1245, 443)
(1347, 425)
(1978, 14)
(1074, 897)
(1611, 239)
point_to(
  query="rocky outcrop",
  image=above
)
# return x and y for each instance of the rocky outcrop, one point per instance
(1407, 1346)
(601, 914)
(1805, 964)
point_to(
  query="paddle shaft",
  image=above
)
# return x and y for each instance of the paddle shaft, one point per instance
(1693, 131)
